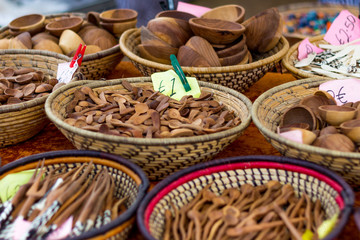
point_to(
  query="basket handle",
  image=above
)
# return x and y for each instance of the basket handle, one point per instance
(357, 217)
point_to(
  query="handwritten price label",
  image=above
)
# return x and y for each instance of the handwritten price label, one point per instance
(305, 48)
(65, 73)
(344, 29)
(346, 90)
(169, 84)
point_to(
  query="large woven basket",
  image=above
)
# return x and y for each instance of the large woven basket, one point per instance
(130, 181)
(305, 7)
(157, 157)
(292, 56)
(266, 113)
(21, 121)
(94, 66)
(180, 188)
(238, 77)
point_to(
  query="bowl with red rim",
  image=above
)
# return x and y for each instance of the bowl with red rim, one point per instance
(335, 195)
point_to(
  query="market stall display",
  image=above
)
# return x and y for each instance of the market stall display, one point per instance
(180, 197)
(158, 157)
(129, 182)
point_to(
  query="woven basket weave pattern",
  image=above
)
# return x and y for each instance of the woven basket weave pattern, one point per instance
(19, 122)
(94, 66)
(223, 180)
(238, 77)
(266, 114)
(157, 157)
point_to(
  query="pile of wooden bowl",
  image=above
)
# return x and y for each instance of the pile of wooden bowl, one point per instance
(64, 34)
(117, 21)
(218, 38)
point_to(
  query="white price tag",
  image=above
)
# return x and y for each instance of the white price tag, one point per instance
(65, 72)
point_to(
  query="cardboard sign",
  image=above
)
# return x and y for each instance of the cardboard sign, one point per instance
(169, 84)
(305, 48)
(344, 29)
(346, 90)
(196, 10)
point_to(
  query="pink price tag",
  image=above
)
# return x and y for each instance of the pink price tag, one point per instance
(346, 90)
(344, 29)
(192, 8)
(20, 227)
(306, 47)
(63, 231)
(294, 135)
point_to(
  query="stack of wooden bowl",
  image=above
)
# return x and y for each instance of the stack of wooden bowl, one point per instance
(118, 21)
(218, 38)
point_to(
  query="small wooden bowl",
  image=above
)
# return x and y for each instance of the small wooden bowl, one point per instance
(118, 15)
(58, 27)
(175, 14)
(351, 129)
(216, 31)
(335, 115)
(230, 49)
(231, 12)
(32, 23)
(234, 59)
(118, 28)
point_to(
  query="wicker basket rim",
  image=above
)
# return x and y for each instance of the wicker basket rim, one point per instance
(291, 67)
(290, 143)
(36, 101)
(347, 192)
(87, 57)
(149, 142)
(52, 156)
(198, 70)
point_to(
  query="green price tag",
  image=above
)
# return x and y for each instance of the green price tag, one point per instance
(10, 184)
(169, 84)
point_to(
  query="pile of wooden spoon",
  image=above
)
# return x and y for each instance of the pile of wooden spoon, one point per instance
(270, 211)
(45, 203)
(142, 112)
(19, 85)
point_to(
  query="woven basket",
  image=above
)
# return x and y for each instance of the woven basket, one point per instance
(94, 66)
(130, 181)
(157, 157)
(21, 121)
(237, 77)
(180, 188)
(292, 56)
(266, 113)
(304, 8)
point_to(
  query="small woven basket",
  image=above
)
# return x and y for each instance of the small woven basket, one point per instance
(237, 77)
(292, 56)
(21, 121)
(266, 114)
(157, 157)
(94, 66)
(130, 181)
(180, 188)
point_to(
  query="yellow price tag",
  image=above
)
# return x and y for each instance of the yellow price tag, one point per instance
(169, 84)
(327, 226)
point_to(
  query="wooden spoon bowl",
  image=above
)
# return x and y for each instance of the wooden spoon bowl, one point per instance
(216, 31)
(118, 15)
(32, 23)
(230, 12)
(57, 27)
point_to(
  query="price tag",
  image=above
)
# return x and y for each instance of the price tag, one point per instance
(169, 84)
(10, 184)
(346, 90)
(294, 135)
(65, 73)
(192, 8)
(63, 231)
(20, 228)
(306, 47)
(344, 29)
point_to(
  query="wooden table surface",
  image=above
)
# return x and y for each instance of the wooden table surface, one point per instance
(250, 143)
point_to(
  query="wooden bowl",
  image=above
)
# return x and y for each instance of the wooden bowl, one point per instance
(230, 49)
(69, 41)
(59, 26)
(32, 23)
(216, 31)
(118, 28)
(335, 115)
(231, 12)
(351, 129)
(118, 15)
(234, 59)
(175, 14)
